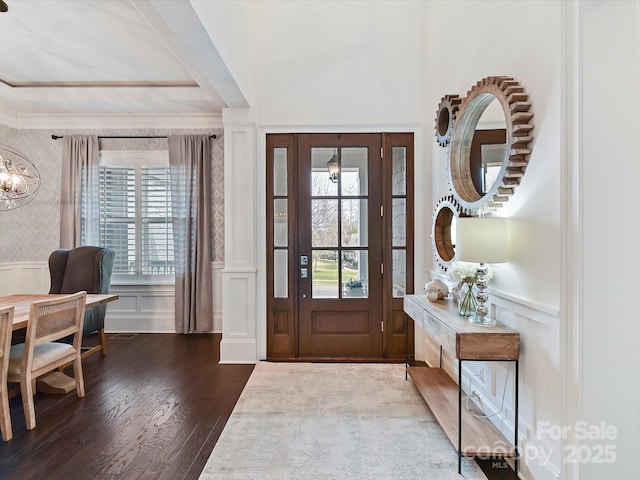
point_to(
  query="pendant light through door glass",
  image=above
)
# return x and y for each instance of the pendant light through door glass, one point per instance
(333, 167)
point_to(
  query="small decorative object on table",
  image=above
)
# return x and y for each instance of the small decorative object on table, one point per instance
(467, 300)
(436, 290)
(466, 274)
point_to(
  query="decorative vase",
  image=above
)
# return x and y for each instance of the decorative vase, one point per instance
(467, 301)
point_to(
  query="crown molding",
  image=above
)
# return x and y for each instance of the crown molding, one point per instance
(8, 119)
(111, 121)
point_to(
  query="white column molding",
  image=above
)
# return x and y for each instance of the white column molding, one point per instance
(571, 348)
(239, 319)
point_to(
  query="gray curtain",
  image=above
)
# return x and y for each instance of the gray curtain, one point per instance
(190, 162)
(79, 214)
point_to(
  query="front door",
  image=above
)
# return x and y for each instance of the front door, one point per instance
(339, 233)
(328, 294)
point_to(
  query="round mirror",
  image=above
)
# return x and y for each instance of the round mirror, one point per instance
(443, 230)
(489, 144)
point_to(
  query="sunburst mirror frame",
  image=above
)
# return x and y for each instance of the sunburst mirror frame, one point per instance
(446, 210)
(515, 104)
(446, 117)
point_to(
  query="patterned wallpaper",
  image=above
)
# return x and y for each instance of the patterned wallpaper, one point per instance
(31, 233)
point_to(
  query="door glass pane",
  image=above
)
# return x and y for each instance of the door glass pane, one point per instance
(280, 171)
(399, 220)
(280, 280)
(280, 222)
(324, 274)
(354, 223)
(399, 174)
(399, 272)
(353, 171)
(355, 273)
(324, 223)
(321, 184)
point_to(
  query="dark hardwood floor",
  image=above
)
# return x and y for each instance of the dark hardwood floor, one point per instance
(154, 409)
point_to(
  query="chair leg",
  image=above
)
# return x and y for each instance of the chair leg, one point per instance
(103, 342)
(77, 373)
(26, 390)
(5, 421)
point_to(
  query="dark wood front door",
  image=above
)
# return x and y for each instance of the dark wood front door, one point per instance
(329, 242)
(339, 235)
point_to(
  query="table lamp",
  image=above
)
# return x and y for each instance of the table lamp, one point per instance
(481, 240)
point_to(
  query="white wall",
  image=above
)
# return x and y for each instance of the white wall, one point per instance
(338, 64)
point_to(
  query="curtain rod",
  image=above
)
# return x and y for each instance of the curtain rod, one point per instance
(56, 137)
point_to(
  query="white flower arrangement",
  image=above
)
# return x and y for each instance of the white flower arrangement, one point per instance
(466, 272)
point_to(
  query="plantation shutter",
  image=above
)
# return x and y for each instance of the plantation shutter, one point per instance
(118, 216)
(157, 228)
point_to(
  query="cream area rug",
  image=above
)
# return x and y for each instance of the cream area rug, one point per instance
(310, 421)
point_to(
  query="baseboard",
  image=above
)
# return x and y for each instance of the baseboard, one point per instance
(238, 351)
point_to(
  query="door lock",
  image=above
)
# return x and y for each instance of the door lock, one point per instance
(304, 273)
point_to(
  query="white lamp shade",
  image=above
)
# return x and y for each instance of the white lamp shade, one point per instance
(481, 240)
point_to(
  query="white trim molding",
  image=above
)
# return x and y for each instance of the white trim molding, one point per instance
(239, 277)
(571, 347)
(112, 121)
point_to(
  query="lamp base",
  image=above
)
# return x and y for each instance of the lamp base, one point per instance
(482, 321)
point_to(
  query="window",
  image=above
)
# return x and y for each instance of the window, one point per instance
(135, 214)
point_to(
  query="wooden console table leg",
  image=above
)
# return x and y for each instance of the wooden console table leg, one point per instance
(515, 428)
(406, 347)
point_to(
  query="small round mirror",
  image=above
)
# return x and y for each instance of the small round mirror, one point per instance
(443, 230)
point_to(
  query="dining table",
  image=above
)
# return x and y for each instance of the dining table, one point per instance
(54, 382)
(22, 304)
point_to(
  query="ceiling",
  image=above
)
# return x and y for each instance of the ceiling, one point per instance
(124, 58)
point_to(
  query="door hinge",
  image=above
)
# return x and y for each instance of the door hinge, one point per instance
(382, 210)
(382, 325)
(381, 153)
(382, 268)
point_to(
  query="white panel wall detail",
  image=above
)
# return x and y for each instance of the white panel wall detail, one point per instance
(24, 277)
(238, 343)
(216, 270)
(139, 308)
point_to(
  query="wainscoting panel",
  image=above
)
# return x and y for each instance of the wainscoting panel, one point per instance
(24, 277)
(139, 308)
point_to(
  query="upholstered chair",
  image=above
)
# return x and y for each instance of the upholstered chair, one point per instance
(85, 268)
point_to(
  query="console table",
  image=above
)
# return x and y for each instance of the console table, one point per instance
(470, 436)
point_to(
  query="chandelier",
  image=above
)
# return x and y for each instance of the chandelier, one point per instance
(19, 178)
